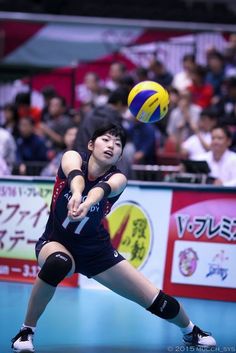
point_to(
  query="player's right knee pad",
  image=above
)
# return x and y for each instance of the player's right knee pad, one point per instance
(55, 268)
(165, 306)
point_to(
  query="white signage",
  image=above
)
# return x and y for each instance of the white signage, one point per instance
(204, 263)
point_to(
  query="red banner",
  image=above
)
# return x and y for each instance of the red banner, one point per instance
(201, 251)
(17, 270)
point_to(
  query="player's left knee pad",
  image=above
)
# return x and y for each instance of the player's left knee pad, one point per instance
(55, 268)
(165, 306)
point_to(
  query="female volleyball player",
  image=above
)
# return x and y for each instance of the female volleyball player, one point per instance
(75, 240)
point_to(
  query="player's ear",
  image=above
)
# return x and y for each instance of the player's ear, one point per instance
(90, 145)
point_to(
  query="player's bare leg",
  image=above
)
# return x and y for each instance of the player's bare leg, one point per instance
(126, 281)
(41, 295)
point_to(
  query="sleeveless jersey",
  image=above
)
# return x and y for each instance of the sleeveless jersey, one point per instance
(89, 231)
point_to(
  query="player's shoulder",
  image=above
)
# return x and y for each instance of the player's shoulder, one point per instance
(112, 171)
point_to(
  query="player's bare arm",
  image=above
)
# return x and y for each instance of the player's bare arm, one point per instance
(71, 160)
(71, 165)
(114, 186)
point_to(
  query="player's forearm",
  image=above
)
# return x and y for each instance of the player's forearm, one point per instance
(77, 184)
(94, 196)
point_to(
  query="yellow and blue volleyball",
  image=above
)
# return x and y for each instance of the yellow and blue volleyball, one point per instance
(148, 101)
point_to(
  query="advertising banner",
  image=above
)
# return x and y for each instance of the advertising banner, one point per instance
(201, 254)
(219, 269)
(24, 209)
(183, 241)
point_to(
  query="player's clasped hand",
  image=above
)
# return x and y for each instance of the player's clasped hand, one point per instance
(81, 212)
(73, 206)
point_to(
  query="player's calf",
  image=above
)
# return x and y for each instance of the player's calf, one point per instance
(167, 307)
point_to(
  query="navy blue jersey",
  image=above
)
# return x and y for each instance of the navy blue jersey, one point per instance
(88, 231)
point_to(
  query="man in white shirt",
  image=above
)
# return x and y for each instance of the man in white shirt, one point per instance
(220, 159)
(200, 142)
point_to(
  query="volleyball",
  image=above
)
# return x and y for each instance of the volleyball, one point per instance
(148, 101)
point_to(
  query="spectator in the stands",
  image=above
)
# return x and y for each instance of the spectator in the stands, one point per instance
(159, 73)
(116, 73)
(202, 92)
(48, 92)
(10, 119)
(30, 147)
(76, 116)
(90, 90)
(53, 131)
(221, 160)
(226, 107)
(183, 119)
(127, 82)
(7, 148)
(230, 56)
(215, 74)
(141, 74)
(174, 97)
(143, 137)
(182, 79)
(69, 138)
(200, 141)
(24, 107)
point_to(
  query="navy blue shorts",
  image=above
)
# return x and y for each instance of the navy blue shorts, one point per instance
(89, 261)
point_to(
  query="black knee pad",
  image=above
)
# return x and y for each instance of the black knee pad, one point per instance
(55, 268)
(165, 306)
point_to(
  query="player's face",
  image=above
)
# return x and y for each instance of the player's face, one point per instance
(107, 148)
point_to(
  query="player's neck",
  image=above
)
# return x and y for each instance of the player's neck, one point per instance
(95, 169)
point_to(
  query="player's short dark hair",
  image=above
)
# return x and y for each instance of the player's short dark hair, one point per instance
(113, 129)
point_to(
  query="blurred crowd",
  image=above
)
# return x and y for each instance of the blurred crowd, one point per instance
(200, 125)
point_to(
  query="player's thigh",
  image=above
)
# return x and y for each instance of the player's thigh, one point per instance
(125, 280)
(50, 248)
